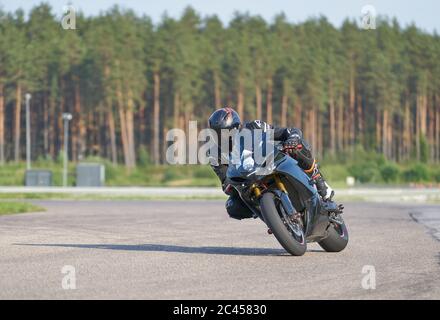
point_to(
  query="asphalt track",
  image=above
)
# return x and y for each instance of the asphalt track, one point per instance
(192, 250)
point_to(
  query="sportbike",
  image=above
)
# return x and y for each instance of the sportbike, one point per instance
(281, 194)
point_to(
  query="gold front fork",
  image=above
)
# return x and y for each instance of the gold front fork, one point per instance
(256, 191)
(279, 184)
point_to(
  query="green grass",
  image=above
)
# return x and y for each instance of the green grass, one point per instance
(7, 208)
(12, 174)
(369, 169)
(67, 196)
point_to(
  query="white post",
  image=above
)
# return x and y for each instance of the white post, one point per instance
(66, 117)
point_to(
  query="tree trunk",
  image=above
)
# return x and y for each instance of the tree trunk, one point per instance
(297, 114)
(99, 140)
(400, 137)
(45, 125)
(332, 122)
(141, 123)
(188, 110)
(437, 127)
(259, 102)
(347, 128)
(176, 109)
(420, 123)
(91, 141)
(423, 111)
(81, 129)
(240, 98)
(217, 90)
(156, 119)
(52, 124)
(17, 126)
(319, 138)
(130, 132)
(391, 150)
(110, 117)
(123, 125)
(75, 133)
(284, 106)
(407, 131)
(112, 131)
(130, 136)
(59, 119)
(378, 132)
(2, 125)
(385, 145)
(312, 127)
(431, 128)
(351, 112)
(360, 120)
(165, 144)
(269, 111)
(340, 128)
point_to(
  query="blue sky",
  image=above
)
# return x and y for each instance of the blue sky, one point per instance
(424, 13)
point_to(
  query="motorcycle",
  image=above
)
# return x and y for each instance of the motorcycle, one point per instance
(287, 200)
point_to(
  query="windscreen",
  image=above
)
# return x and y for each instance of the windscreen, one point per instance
(253, 151)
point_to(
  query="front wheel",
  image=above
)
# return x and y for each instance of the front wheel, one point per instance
(337, 238)
(290, 236)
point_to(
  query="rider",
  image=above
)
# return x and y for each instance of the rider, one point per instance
(227, 118)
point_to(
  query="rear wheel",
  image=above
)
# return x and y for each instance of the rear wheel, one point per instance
(337, 238)
(288, 233)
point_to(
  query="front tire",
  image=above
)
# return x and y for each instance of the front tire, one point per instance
(337, 238)
(275, 223)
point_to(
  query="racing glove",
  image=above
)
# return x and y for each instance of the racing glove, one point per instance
(293, 143)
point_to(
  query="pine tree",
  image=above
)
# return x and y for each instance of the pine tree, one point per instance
(127, 81)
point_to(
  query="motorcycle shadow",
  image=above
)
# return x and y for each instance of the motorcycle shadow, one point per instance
(239, 251)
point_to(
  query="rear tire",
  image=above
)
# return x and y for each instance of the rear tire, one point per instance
(280, 231)
(337, 240)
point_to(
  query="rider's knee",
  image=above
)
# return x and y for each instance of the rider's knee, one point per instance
(237, 209)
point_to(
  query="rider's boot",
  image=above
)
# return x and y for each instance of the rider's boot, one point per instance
(324, 190)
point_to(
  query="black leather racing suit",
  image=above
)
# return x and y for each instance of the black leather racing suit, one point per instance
(235, 207)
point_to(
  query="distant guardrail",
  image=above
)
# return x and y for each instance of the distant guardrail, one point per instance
(362, 194)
